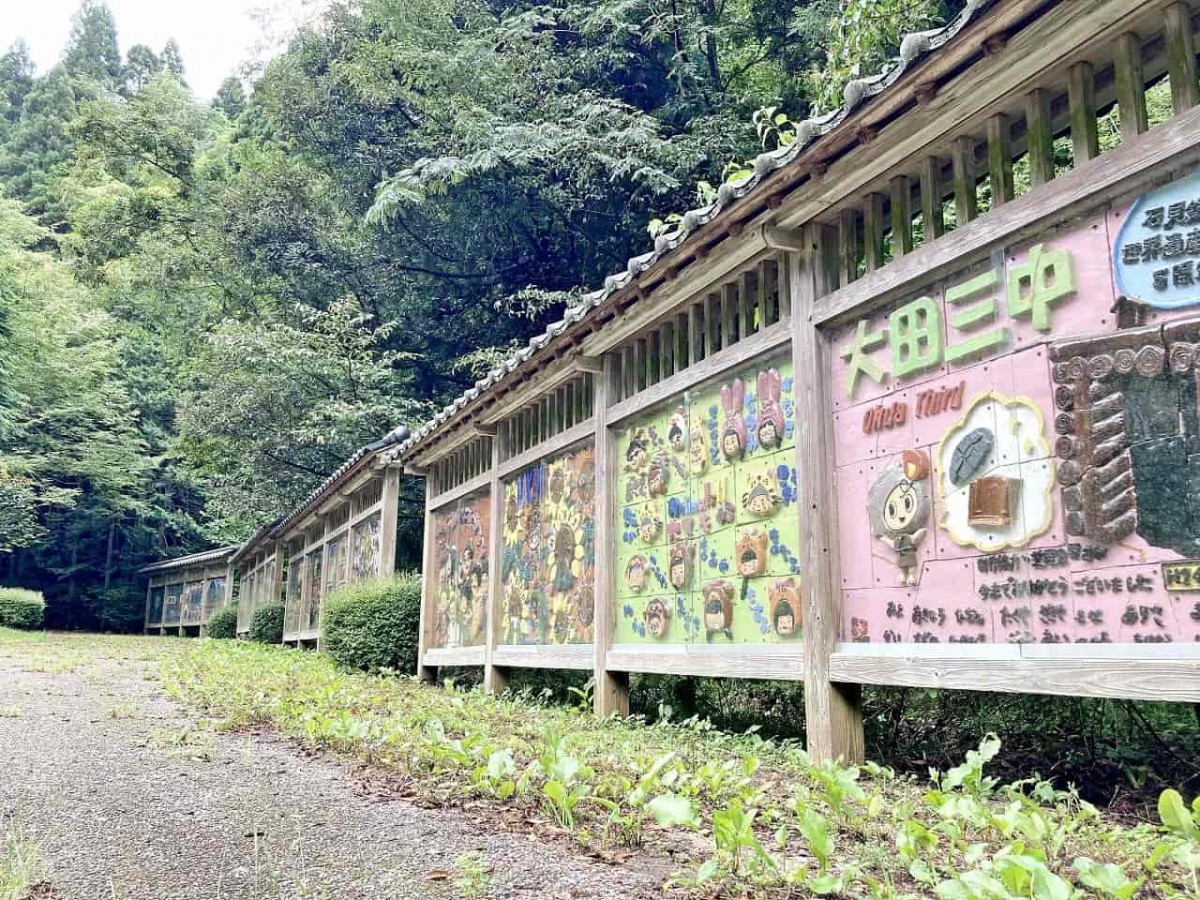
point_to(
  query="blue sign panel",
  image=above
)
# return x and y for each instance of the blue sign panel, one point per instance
(1157, 252)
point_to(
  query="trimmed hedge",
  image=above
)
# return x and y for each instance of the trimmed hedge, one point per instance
(267, 625)
(223, 623)
(23, 609)
(375, 625)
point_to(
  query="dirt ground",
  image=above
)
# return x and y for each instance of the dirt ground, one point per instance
(127, 796)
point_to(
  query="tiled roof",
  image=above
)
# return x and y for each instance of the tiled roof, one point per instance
(195, 559)
(913, 48)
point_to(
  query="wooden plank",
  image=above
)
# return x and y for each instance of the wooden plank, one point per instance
(495, 677)
(1139, 679)
(782, 662)
(1000, 156)
(873, 232)
(1119, 171)
(765, 267)
(611, 689)
(1131, 94)
(425, 670)
(666, 350)
(455, 656)
(1181, 56)
(933, 223)
(712, 325)
(579, 657)
(748, 298)
(1039, 136)
(832, 714)
(900, 188)
(1081, 98)
(547, 448)
(765, 341)
(729, 312)
(683, 341)
(389, 520)
(963, 163)
(695, 333)
(847, 246)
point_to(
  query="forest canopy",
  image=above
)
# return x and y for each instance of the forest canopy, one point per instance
(207, 305)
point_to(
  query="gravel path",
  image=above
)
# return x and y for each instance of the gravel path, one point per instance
(127, 796)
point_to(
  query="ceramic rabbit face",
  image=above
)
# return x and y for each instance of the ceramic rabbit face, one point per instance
(770, 409)
(733, 429)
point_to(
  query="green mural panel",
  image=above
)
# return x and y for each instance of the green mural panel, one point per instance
(707, 522)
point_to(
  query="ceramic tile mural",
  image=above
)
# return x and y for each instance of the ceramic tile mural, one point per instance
(156, 605)
(550, 551)
(1018, 449)
(171, 604)
(214, 596)
(193, 602)
(460, 573)
(313, 594)
(294, 597)
(364, 548)
(708, 526)
(335, 564)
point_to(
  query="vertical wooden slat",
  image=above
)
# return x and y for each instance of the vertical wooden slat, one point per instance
(762, 296)
(769, 307)
(729, 311)
(572, 405)
(847, 246)
(963, 160)
(652, 358)
(900, 189)
(683, 345)
(696, 332)
(873, 231)
(785, 283)
(611, 689)
(639, 363)
(1130, 82)
(1000, 156)
(748, 298)
(932, 223)
(666, 349)
(1081, 97)
(1181, 56)
(1040, 136)
(712, 324)
(425, 631)
(833, 712)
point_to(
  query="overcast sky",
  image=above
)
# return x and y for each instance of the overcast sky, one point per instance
(216, 36)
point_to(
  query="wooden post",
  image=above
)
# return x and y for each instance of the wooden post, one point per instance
(611, 695)
(389, 520)
(1131, 94)
(847, 246)
(1181, 57)
(1040, 136)
(964, 181)
(932, 222)
(999, 147)
(832, 712)
(426, 673)
(1081, 97)
(901, 191)
(495, 678)
(873, 232)
(146, 617)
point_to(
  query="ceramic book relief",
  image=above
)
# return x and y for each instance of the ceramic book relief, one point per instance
(707, 526)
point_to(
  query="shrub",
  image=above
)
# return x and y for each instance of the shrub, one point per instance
(223, 623)
(20, 608)
(267, 625)
(375, 625)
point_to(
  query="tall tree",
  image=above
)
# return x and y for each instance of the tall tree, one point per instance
(231, 97)
(141, 64)
(172, 61)
(92, 50)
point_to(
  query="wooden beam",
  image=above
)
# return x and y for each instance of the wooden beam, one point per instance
(933, 224)
(873, 231)
(611, 689)
(963, 162)
(900, 188)
(1181, 56)
(495, 678)
(1131, 94)
(1039, 136)
(832, 713)
(1081, 97)
(1000, 156)
(847, 245)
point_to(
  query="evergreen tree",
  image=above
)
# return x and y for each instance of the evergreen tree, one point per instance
(172, 61)
(16, 78)
(92, 50)
(141, 64)
(231, 97)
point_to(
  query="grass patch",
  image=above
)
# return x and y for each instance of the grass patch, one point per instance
(753, 815)
(21, 870)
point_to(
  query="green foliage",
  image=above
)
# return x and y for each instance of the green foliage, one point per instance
(222, 624)
(266, 625)
(20, 608)
(374, 625)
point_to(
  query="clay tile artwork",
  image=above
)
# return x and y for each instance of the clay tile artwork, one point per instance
(461, 572)
(1017, 443)
(723, 512)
